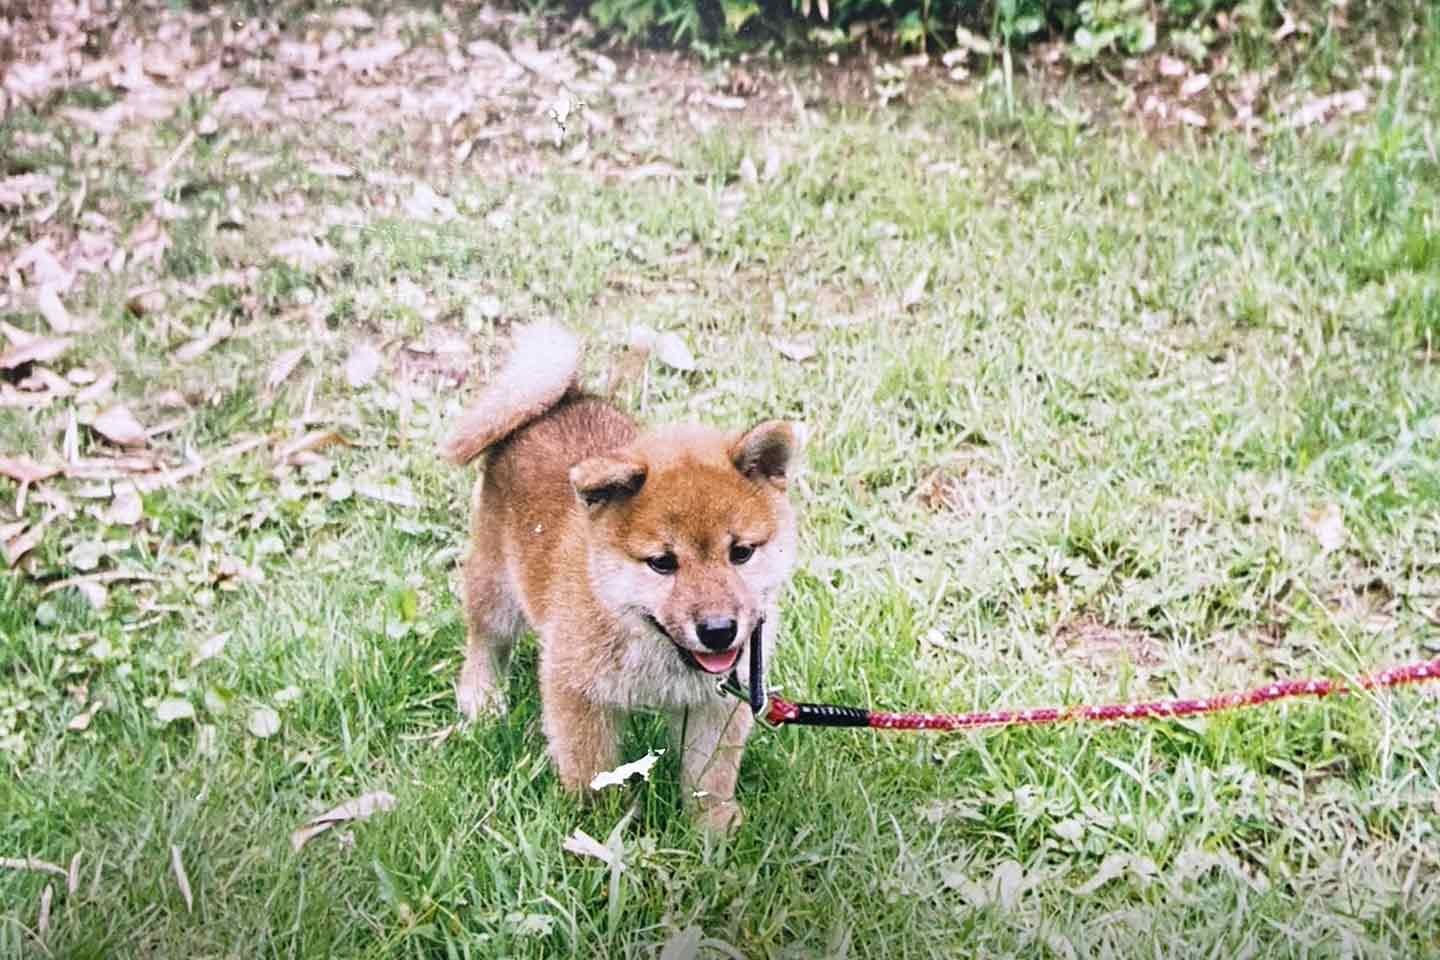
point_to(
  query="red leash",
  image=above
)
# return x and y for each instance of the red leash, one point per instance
(780, 712)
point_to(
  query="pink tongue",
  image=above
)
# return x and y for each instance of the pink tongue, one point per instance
(717, 662)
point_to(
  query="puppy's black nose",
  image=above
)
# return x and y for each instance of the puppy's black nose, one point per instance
(717, 633)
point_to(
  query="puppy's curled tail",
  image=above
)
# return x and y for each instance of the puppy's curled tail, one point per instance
(542, 368)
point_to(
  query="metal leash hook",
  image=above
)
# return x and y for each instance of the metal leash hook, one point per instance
(756, 695)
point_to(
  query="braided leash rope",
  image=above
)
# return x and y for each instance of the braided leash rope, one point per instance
(780, 712)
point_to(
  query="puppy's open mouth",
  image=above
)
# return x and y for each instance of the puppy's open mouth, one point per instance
(717, 662)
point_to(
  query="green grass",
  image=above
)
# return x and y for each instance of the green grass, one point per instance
(1141, 369)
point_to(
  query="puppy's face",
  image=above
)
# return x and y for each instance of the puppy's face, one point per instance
(692, 535)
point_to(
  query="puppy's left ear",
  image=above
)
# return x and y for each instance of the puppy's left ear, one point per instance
(766, 451)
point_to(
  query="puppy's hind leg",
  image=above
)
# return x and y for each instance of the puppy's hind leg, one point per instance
(493, 620)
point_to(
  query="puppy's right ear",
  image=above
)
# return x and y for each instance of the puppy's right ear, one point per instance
(603, 480)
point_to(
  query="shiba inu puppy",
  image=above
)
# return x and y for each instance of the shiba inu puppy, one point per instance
(645, 561)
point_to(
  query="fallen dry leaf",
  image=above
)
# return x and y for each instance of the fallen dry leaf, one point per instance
(31, 863)
(282, 367)
(1192, 118)
(118, 425)
(915, 292)
(797, 350)
(240, 101)
(1172, 67)
(72, 880)
(304, 253)
(623, 773)
(24, 470)
(35, 350)
(396, 496)
(96, 389)
(287, 452)
(182, 879)
(42, 922)
(362, 365)
(361, 59)
(360, 808)
(21, 544)
(198, 347)
(126, 509)
(1327, 525)
(47, 301)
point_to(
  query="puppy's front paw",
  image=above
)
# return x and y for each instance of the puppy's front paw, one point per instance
(477, 699)
(718, 816)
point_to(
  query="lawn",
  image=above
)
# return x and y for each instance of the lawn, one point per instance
(1095, 412)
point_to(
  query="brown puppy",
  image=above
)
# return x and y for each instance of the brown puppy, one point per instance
(644, 561)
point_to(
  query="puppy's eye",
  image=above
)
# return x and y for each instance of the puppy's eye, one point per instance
(665, 563)
(739, 553)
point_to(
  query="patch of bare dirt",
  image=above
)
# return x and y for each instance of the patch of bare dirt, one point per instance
(1104, 648)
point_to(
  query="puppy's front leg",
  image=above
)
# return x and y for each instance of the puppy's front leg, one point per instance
(712, 740)
(584, 738)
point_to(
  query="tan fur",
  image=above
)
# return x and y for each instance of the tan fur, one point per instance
(573, 501)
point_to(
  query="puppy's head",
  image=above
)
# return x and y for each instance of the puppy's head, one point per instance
(691, 532)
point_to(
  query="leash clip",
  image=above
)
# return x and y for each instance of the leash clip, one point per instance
(756, 696)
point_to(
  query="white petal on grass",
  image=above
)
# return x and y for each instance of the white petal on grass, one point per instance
(582, 844)
(670, 348)
(182, 880)
(622, 774)
(264, 723)
(360, 808)
(208, 649)
(168, 711)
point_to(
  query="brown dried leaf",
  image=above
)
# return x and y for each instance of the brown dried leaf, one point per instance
(31, 863)
(198, 347)
(126, 509)
(287, 452)
(797, 350)
(35, 350)
(182, 880)
(374, 57)
(47, 301)
(97, 389)
(24, 470)
(362, 365)
(1172, 67)
(282, 367)
(303, 252)
(17, 546)
(118, 425)
(1327, 525)
(1194, 84)
(915, 292)
(240, 101)
(360, 808)
(42, 922)
(396, 496)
